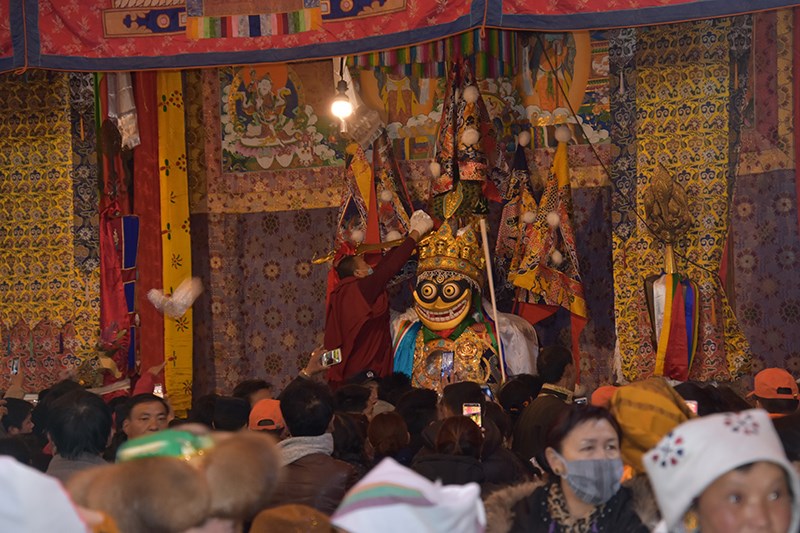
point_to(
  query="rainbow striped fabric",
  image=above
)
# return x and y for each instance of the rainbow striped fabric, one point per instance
(491, 56)
(253, 25)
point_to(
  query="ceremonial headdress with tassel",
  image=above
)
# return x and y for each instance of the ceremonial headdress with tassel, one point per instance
(545, 264)
(465, 138)
(517, 181)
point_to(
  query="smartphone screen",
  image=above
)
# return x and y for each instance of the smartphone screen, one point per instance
(158, 390)
(472, 410)
(580, 401)
(331, 357)
(487, 391)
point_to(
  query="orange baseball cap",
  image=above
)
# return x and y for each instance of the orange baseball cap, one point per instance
(266, 416)
(602, 396)
(774, 384)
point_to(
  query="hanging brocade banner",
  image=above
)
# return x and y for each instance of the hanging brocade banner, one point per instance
(176, 241)
(672, 110)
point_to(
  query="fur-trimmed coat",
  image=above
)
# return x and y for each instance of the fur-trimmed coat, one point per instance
(500, 505)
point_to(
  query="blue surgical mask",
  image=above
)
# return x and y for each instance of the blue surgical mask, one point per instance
(594, 481)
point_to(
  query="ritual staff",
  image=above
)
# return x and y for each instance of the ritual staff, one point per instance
(357, 314)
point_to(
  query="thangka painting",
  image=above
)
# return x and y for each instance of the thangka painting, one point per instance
(278, 117)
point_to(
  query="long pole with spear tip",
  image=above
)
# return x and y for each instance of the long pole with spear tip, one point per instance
(492, 298)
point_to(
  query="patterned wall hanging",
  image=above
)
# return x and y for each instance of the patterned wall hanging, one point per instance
(176, 238)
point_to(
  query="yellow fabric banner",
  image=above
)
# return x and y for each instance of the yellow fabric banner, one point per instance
(176, 239)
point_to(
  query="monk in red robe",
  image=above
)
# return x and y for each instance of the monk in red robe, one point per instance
(357, 315)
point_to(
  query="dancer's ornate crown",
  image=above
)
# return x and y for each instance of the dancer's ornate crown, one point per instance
(446, 255)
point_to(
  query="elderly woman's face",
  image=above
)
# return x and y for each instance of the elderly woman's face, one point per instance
(747, 500)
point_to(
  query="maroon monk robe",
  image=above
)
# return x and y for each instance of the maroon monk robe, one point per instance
(357, 319)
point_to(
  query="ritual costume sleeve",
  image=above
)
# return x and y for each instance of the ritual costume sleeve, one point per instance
(373, 285)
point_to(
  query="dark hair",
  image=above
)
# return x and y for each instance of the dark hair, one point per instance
(79, 422)
(706, 403)
(495, 414)
(307, 408)
(573, 416)
(388, 433)
(455, 395)
(230, 414)
(788, 429)
(534, 383)
(418, 409)
(349, 435)
(250, 386)
(347, 267)
(17, 448)
(391, 387)
(779, 406)
(202, 411)
(552, 362)
(47, 398)
(515, 396)
(459, 435)
(352, 398)
(731, 399)
(18, 411)
(139, 399)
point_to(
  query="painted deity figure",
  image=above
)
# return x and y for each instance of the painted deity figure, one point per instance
(448, 336)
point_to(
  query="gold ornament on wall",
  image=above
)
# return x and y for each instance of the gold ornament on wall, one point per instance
(667, 210)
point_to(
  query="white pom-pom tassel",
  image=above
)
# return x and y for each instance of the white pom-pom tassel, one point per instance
(528, 217)
(386, 195)
(556, 257)
(470, 137)
(393, 235)
(357, 236)
(471, 94)
(436, 169)
(524, 138)
(563, 134)
(553, 220)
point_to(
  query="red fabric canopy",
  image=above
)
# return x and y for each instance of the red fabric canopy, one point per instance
(105, 35)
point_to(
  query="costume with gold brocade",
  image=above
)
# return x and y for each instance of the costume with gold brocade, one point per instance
(449, 337)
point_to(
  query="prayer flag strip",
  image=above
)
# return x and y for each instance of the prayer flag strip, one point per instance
(492, 56)
(254, 25)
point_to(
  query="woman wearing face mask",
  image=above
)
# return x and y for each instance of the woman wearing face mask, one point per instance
(583, 493)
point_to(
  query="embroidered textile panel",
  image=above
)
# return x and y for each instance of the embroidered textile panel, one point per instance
(266, 309)
(49, 285)
(677, 117)
(766, 261)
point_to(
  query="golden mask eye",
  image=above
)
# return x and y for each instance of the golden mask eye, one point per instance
(450, 290)
(427, 291)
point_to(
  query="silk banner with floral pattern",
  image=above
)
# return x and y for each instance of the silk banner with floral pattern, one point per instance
(176, 239)
(673, 110)
(49, 273)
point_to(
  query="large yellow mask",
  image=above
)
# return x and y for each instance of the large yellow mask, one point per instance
(450, 271)
(442, 306)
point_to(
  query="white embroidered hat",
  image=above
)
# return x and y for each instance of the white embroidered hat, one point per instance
(34, 502)
(394, 499)
(691, 457)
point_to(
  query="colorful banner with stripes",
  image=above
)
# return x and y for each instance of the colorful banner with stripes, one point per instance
(176, 241)
(491, 56)
(254, 25)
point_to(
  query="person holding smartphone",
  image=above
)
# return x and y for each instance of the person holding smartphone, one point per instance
(357, 314)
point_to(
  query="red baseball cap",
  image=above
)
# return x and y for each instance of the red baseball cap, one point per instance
(266, 415)
(774, 384)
